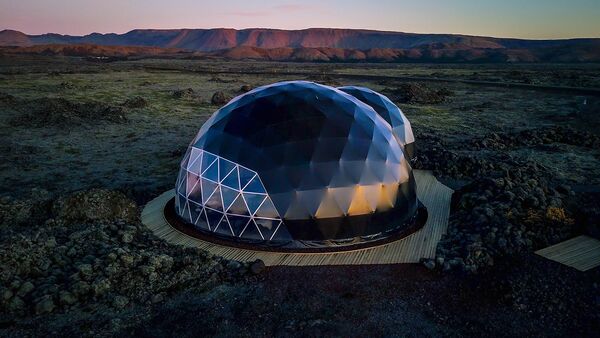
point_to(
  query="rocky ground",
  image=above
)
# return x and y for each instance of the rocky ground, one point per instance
(509, 206)
(76, 261)
(90, 268)
(91, 259)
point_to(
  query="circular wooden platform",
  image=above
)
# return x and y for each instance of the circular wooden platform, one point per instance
(411, 249)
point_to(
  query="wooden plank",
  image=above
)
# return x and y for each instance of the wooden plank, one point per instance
(581, 253)
(422, 244)
(579, 256)
(566, 246)
(590, 264)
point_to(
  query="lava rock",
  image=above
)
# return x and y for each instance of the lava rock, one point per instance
(25, 289)
(67, 298)
(219, 98)
(135, 102)
(234, 265)
(429, 264)
(33, 209)
(95, 205)
(120, 302)
(257, 267)
(417, 93)
(183, 93)
(45, 305)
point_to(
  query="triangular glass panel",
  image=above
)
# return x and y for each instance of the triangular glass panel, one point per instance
(185, 214)
(196, 193)
(195, 210)
(180, 179)
(238, 207)
(224, 228)
(284, 202)
(229, 196)
(186, 159)
(212, 172)
(215, 202)
(180, 203)
(202, 223)
(207, 160)
(281, 234)
(254, 186)
(254, 201)
(208, 188)
(328, 206)
(343, 197)
(238, 223)
(354, 170)
(182, 182)
(195, 163)
(359, 205)
(191, 182)
(245, 176)
(225, 167)
(267, 226)
(213, 217)
(368, 176)
(311, 199)
(232, 180)
(252, 232)
(267, 209)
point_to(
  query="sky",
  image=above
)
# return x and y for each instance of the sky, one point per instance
(534, 19)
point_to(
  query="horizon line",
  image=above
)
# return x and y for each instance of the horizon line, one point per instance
(304, 29)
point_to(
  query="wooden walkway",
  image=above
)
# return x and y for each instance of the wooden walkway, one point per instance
(421, 244)
(581, 253)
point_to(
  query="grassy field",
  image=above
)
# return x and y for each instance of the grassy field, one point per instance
(144, 150)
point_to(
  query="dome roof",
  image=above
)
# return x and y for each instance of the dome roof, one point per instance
(390, 112)
(296, 161)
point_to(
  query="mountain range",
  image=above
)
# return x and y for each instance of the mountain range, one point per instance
(320, 44)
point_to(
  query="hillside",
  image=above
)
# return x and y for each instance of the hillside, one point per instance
(320, 44)
(14, 38)
(92, 50)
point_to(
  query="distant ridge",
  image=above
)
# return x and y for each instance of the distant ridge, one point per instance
(328, 44)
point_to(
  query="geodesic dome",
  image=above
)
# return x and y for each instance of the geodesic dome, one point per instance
(390, 112)
(296, 162)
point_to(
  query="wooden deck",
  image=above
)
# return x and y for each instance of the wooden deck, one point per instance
(421, 244)
(581, 253)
